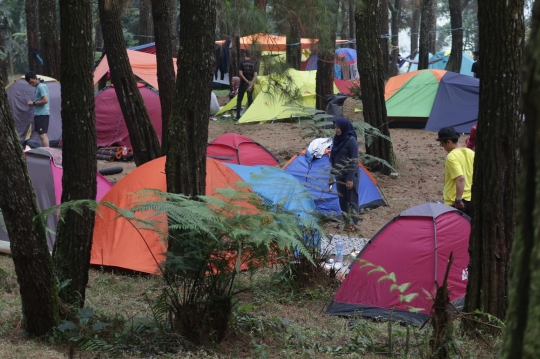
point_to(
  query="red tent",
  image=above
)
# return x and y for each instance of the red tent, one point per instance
(241, 150)
(110, 124)
(415, 246)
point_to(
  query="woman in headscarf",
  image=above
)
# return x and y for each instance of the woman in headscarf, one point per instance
(345, 171)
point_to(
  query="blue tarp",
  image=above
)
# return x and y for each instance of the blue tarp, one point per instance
(466, 63)
(456, 103)
(276, 187)
(315, 177)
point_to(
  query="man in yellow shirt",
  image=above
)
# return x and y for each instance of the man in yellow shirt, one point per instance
(458, 171)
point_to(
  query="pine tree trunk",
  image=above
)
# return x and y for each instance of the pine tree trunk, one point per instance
(433, 43)
(162, 14)
(371, 69)
(188, 126)
(50, 44)
(3, 65)
(74, 237)
(294, 53)
(142, 134)
(497, 159)
(33, 263)
(173, 5)
(146, 26)
(396, 13)
(522, 329)
(98, 44)
(454, 62)
(324, 79)
(415, 28)
(352, 22)
(384, 38)
(344, 33)
(426, 36)
(32, 35)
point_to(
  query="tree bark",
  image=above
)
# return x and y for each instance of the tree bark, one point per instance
(3, 65)
(426, 36)
(352, 22)
(415, 28)
(142, 134)
(162, 14)
(324, 79)
(521, 332)
(396, 13)
(146, 26)
(344, 33)
(33, 263)
(433, 43)
(497, 159)
(384, 38)
(188, 127)
(294, 53)
(372, 69)
(50, 44)
(74, 237)
(173, 5)
(32, 35)
(454, 62)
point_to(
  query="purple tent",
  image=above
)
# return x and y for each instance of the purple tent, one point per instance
(456, 103)
(19, 93)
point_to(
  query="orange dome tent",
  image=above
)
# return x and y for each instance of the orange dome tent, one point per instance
(117, 243)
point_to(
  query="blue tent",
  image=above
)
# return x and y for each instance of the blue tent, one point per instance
(440, 60)
(315, 176)
(276, 187)
(456, 103)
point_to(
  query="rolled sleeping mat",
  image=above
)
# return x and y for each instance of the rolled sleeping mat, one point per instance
(111, 170)
(105, 157)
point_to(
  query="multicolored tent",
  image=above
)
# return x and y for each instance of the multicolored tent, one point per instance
(111, 127)
(415, 247)
(270, 105)
(434, 99)
(315, 177)
(117, 243)
(240, 150)
(45, 170)
(19, 92)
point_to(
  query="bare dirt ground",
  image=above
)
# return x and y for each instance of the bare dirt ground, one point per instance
(420, 164)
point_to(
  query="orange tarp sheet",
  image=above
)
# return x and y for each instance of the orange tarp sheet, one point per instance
(143, 65)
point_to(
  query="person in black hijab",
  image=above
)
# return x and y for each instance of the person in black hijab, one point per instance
(344, 159)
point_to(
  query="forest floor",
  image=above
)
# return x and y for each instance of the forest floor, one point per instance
(270, 321)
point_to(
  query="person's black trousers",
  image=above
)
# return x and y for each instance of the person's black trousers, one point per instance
(241, 91)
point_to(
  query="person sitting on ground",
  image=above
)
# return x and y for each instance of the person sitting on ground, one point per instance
(344, 159)
(235, 85)
(458, 171)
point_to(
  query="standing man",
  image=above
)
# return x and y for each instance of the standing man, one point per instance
(248, 76)
(476, 65)
(41, 107)
(458, 171)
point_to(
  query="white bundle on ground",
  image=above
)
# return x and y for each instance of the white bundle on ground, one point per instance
(349, 244)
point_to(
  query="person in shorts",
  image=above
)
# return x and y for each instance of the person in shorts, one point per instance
(41, 107)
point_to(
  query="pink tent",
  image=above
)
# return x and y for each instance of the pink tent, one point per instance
(415, 246)
(110, 124)
(240, 150)
(45, 170)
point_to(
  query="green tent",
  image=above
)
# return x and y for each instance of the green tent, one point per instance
(415, 96)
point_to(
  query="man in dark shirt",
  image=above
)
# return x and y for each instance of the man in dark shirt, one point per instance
(476, 65)
(248, 76)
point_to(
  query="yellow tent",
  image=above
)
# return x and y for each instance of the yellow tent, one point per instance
(270, 105)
